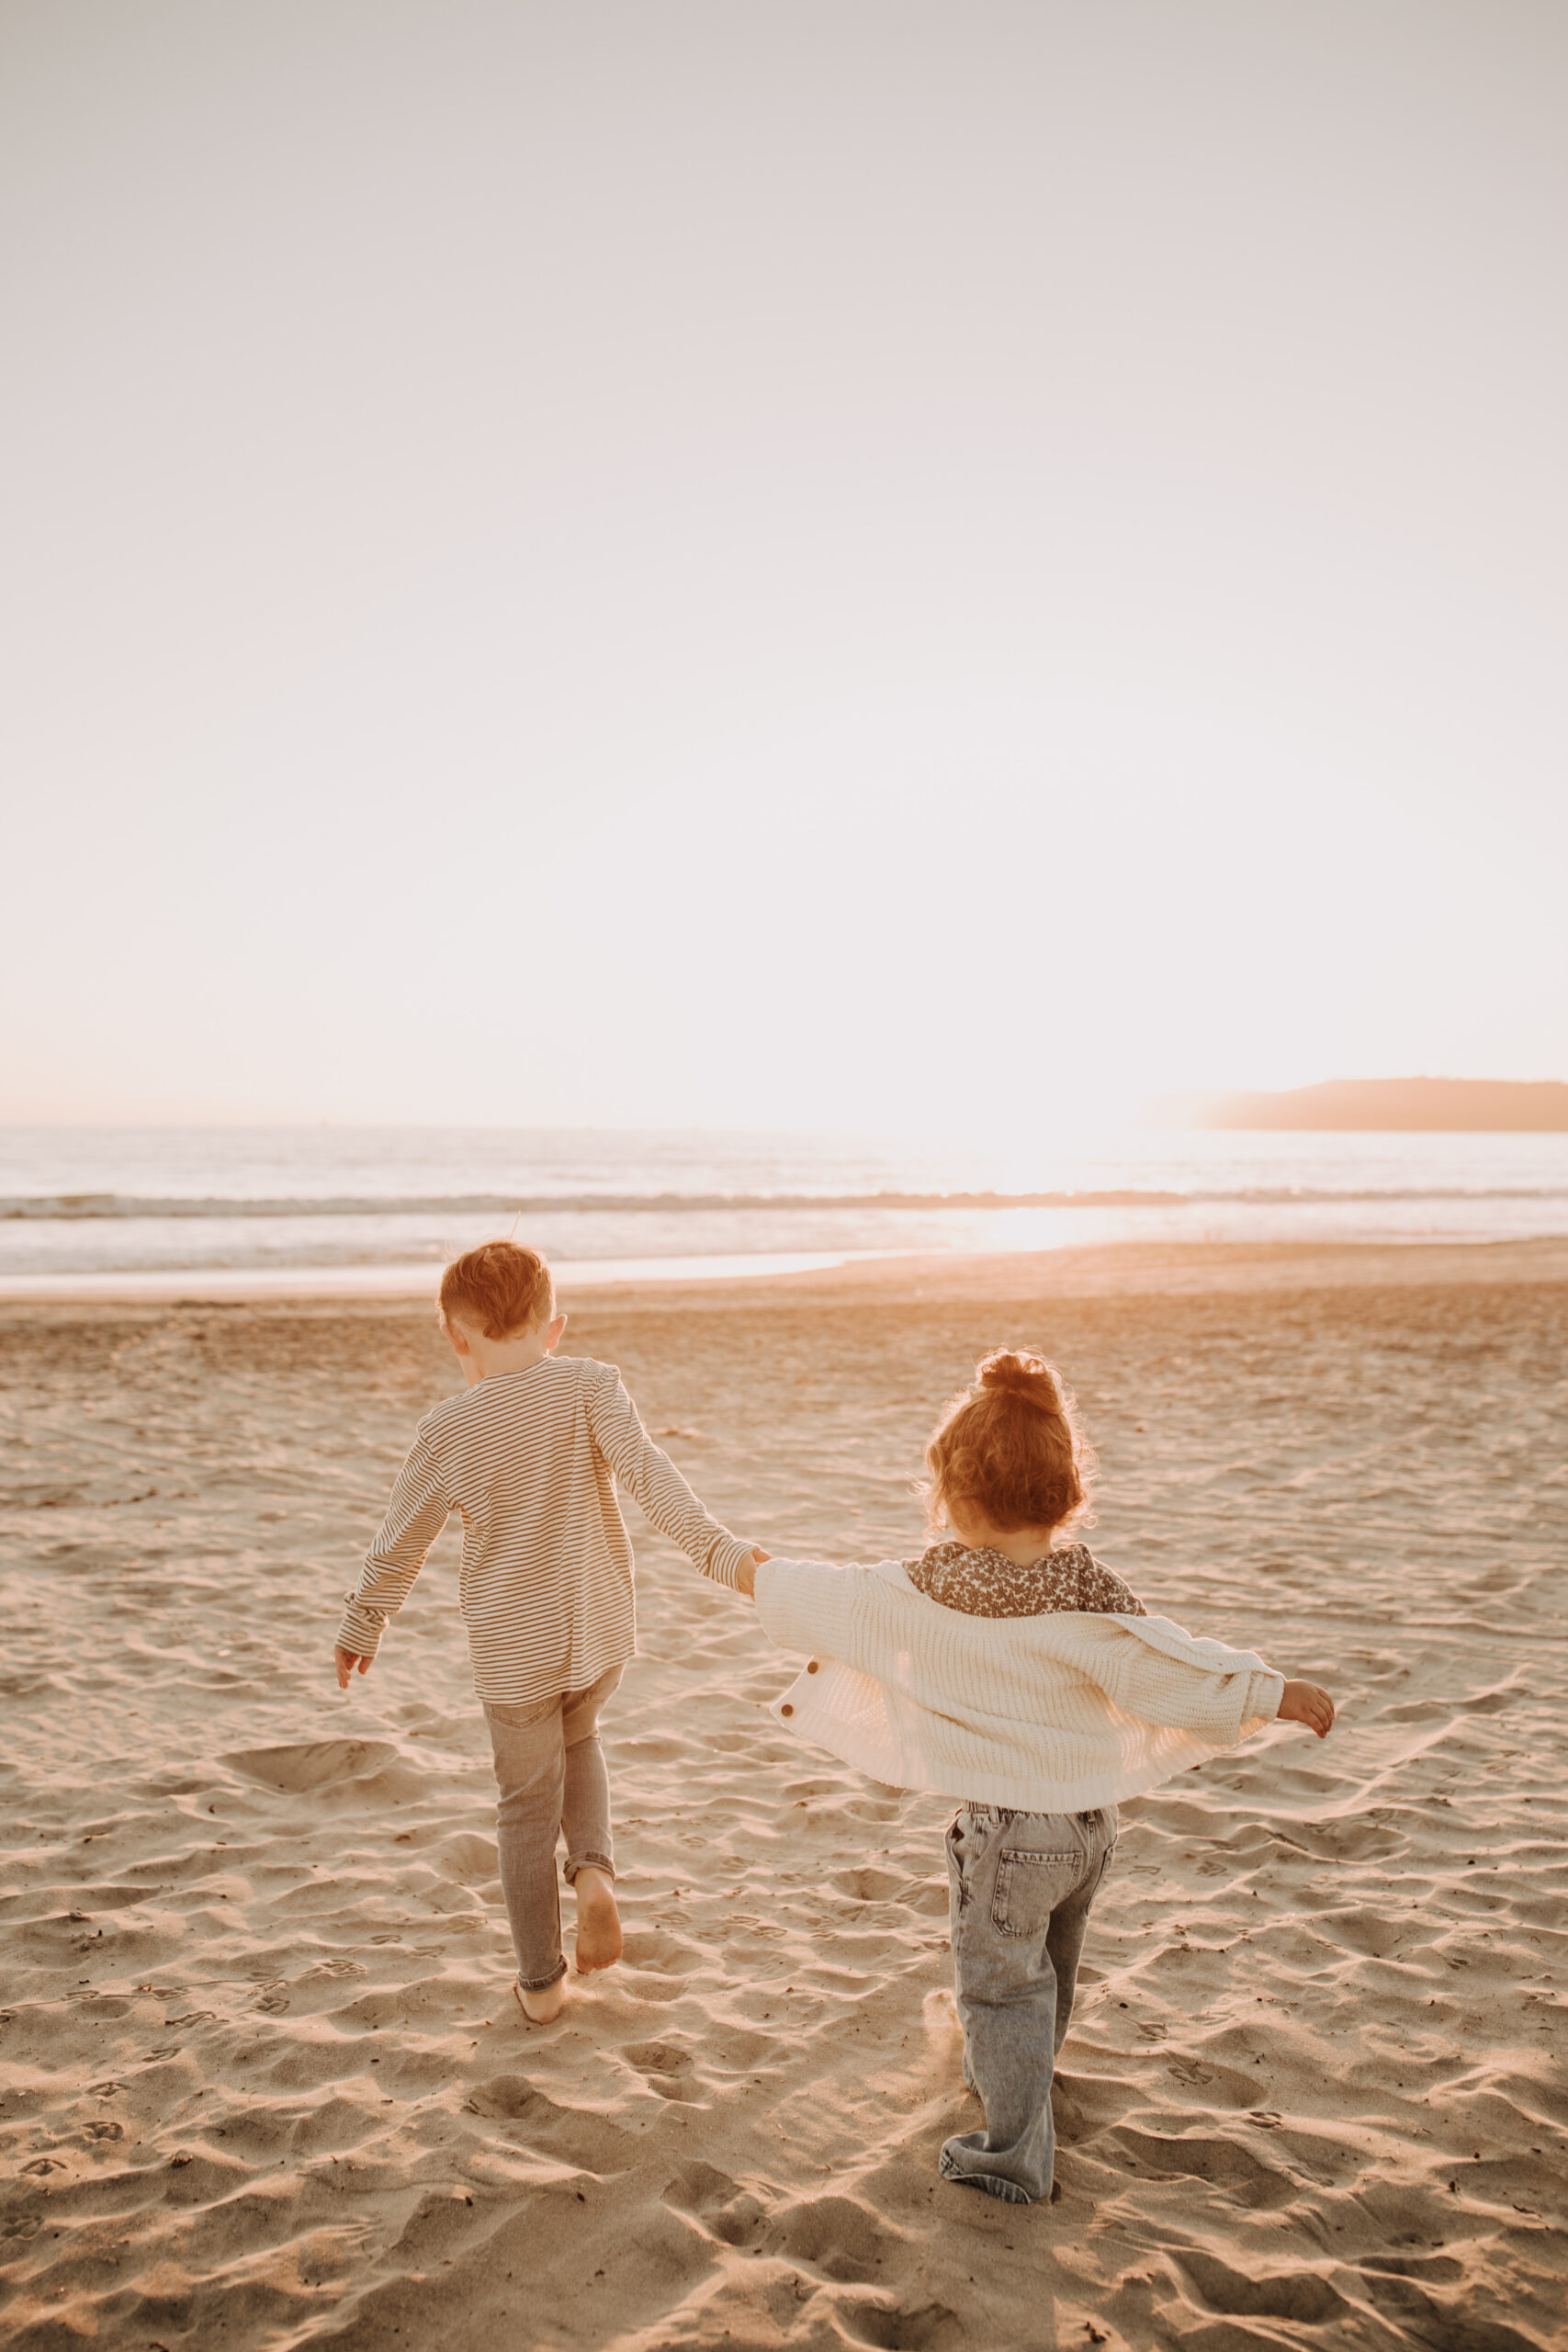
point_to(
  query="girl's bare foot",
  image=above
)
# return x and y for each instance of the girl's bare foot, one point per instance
(543, 2007)
(598, 1921)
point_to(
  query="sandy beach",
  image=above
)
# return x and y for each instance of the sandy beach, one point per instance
(265, 2084)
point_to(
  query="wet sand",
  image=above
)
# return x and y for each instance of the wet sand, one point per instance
(265, 2084)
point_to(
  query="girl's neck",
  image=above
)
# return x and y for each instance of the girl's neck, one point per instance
(1022, 1546)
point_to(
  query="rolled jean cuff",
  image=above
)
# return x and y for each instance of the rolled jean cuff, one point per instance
(575, 1862)
(994, 2183)
(542, 1984)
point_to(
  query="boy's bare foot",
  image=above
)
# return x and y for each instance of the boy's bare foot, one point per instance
(598, 1921)
(543, 2007)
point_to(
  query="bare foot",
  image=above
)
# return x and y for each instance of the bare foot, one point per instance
(542, 2008)
(598, 1921)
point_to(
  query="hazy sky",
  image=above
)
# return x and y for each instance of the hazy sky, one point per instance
(778, 563)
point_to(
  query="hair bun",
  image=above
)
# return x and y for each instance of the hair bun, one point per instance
(1024, 1375)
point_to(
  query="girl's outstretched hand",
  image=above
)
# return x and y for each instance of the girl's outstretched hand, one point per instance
(746, 1575)
(1309, 1703)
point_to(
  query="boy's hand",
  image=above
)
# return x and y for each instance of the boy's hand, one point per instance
(1309, 1703)
(346, 1660)
(746, 1575)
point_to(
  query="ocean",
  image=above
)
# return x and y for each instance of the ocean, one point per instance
(226, 1210)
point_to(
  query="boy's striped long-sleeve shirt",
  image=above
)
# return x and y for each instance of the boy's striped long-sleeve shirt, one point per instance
(532, 1460)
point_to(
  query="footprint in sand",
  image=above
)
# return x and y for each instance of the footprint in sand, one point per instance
(836, 2235)
(311, 1765)
(742, 2051)
(931, 2328)
(870, 1886)
(1224, 2162)
(1282, 2294)
(467, 1858)
(730, 2213)
(665, 2067)
(662, 1954)
(566, 2133)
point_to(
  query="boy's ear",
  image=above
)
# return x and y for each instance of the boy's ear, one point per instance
(554, 1334)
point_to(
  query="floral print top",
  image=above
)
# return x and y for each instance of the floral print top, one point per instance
(988, 1584)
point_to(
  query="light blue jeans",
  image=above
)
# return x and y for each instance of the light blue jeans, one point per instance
(550, 1770)
(1020, 1887)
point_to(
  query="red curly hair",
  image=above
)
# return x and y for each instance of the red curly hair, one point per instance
(1010, 1448)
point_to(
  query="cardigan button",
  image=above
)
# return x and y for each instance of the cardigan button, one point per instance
(811, 1668)
(786, 1709)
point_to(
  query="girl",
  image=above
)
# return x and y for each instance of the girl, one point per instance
(1008, 1668)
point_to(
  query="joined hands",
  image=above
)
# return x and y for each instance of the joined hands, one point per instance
(746, 1575)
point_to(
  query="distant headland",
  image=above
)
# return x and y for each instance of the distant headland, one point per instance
(1455, 1105)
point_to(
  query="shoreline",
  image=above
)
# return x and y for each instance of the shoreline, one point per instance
(1113, 1268)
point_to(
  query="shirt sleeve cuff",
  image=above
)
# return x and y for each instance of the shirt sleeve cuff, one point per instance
(361, 1628)
(723, 1564)
(1263, 1700)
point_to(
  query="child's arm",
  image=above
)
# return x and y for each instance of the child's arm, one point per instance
(1309, 1703)
(416, 1517)
(652, 1478)
(1215, 1703)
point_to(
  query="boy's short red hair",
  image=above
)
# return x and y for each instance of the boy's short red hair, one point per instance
(499, 1289)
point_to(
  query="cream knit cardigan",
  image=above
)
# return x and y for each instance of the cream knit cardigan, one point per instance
(1053, 1713)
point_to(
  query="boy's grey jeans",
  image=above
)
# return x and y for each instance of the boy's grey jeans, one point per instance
(1020, 1887)
(551, 1770)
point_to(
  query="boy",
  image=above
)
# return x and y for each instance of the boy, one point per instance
(530, 1455)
